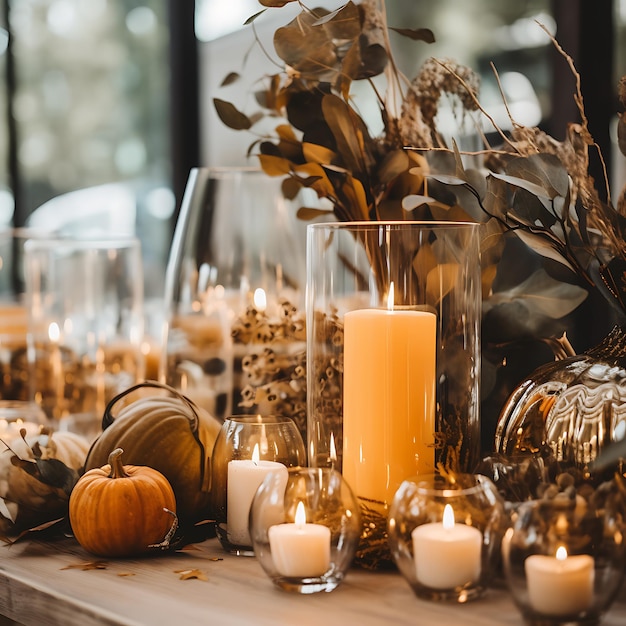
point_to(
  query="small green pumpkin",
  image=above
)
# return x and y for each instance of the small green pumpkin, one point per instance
(121, 510)
(168, 433)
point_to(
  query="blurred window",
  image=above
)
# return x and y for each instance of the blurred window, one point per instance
(89, 105)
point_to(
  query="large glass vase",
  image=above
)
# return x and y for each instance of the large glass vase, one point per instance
(393, 357)
(235, 281)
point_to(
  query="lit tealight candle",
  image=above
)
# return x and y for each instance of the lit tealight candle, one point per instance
(447, 554)
(244, 478)
(300, 550)
(560, 585)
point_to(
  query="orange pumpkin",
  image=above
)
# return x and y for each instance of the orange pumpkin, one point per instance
(121, 510)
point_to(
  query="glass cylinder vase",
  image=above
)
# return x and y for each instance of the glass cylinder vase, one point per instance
(393, 365)
(235, 279)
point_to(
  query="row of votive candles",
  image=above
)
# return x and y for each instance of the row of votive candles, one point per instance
(303, 524)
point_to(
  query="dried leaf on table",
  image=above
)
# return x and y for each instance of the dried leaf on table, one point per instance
(57, 527)
(88, 565)
(188, 574)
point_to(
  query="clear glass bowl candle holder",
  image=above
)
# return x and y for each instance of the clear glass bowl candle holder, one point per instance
(445, 533)
(305, 529)
(563, 558)
(246, 449)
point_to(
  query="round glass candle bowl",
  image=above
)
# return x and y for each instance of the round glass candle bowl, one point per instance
(305, 528)
(445, 533)
(246, 449)
(563, 557)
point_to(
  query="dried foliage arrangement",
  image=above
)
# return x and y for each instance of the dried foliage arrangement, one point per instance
(528, 187)
(324, 143)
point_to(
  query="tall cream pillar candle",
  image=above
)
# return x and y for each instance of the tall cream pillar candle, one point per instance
(388, 399)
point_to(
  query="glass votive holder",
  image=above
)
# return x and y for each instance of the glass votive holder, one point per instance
(247, 448)
(305, 528)
(563, 557)
(17, 416)
(445, 533)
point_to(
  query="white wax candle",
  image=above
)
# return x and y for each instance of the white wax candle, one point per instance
(300, 550)
(388, 399)
(447, 555)
(243, 480)
(560, 585)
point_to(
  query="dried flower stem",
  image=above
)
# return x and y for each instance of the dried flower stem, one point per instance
(478, 105)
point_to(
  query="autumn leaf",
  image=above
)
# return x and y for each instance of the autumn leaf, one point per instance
(230, 78)
(231, 116)
(189, 574)
(87, 565)
(417, 34)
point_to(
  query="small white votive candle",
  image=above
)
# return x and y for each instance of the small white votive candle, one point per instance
(243, 480)
(447, 555)
(300, 550)
(561, 584)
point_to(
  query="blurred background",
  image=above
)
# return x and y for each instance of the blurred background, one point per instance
(106, 104)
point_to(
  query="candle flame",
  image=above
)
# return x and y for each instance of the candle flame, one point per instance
(561, 553)
(390, 297)
(300, 514)
(448, 517)
(333, 449)
(54, 332)
(255, 454)
(260, 300)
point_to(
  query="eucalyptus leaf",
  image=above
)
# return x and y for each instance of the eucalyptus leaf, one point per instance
(522, 183)
(542, 294)
(447, 179)
(412, 201)
(231, 116)
(393, 164)
(305, 48)
(349, 132)
(274, 166)
(230, 78)
(545, 170)
(275, 3)
(311, 213)
(253, 17)
(532, 209)
(342, 24)
(317, 154)
(543, 247)
(417, 34)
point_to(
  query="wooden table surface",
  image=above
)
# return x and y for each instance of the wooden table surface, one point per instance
(57, 584)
